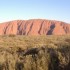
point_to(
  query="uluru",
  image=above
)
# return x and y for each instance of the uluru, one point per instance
(34, 27)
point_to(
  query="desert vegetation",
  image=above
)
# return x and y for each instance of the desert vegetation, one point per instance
(35, 52)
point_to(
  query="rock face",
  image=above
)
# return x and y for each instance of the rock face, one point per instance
(34, 27)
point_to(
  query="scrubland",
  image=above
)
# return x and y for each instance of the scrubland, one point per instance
(35, 52)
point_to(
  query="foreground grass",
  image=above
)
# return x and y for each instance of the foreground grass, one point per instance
(53, 52)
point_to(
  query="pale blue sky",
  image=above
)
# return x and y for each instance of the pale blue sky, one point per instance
(35, 9)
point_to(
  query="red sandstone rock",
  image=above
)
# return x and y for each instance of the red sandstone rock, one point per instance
(34, 27)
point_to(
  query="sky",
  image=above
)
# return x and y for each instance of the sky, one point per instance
(35, 9)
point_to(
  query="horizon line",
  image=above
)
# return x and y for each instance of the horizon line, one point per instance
(34, 19)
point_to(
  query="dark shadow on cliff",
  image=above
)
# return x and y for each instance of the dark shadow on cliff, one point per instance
(51, 29)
